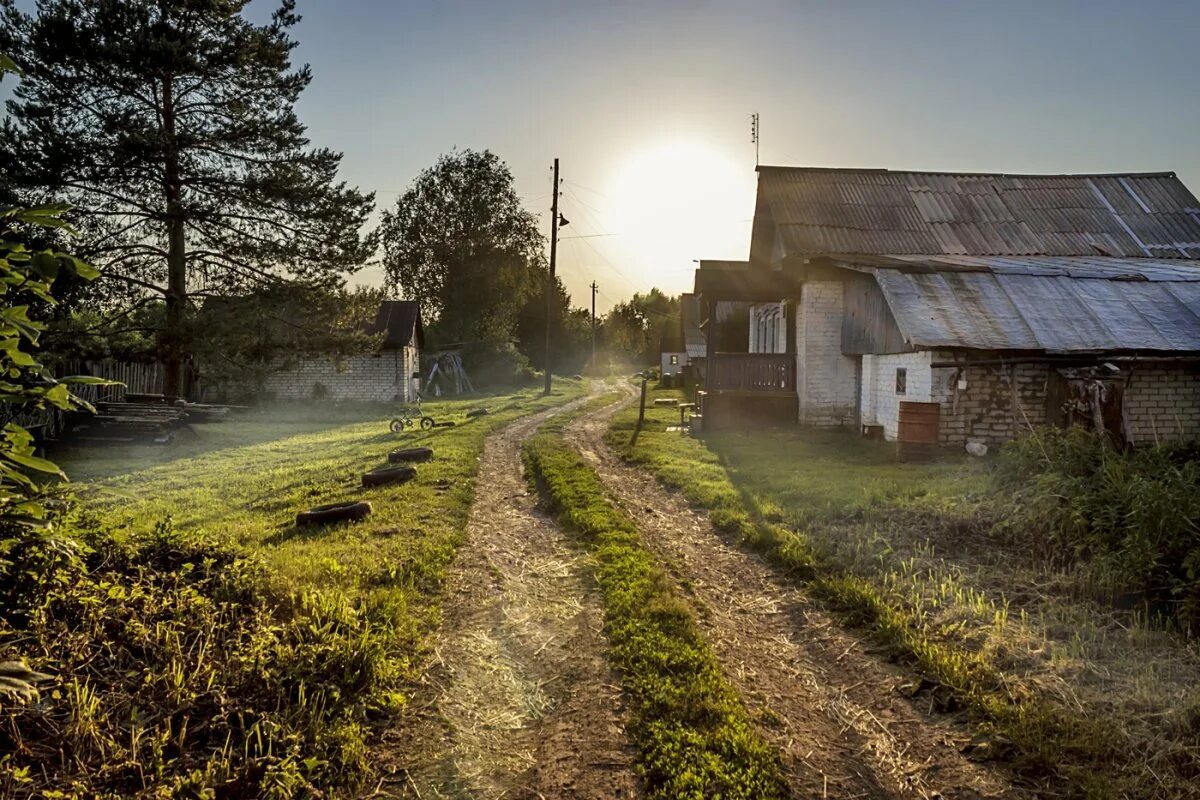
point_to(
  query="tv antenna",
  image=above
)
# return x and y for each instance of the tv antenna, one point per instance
(754, 130)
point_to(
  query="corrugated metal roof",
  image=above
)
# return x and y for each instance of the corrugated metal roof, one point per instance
(693, 335)
(1059, 305)
(811, 211)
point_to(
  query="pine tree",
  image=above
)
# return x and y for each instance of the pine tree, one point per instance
(169, 125)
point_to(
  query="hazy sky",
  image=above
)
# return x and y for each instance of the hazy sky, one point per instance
(647, 103)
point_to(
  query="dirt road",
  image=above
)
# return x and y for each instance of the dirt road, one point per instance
(526, 705)
(832, 709)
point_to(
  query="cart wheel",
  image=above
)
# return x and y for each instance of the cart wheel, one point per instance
(426, 423)
(396, 426)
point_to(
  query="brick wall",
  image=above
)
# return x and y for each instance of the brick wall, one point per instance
(880, 401)
(826, 380)
(1163, 404)
(384, 377)
(989, 403)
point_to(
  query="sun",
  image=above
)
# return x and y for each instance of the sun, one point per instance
(677, 202)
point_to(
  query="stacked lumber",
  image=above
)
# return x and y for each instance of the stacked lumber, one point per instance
(150, 419)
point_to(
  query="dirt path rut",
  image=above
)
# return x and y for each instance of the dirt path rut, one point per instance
(526, 705)
(832, 709)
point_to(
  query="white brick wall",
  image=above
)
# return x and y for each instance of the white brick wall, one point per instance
(826, 380)
(880, 403)
(383, 377)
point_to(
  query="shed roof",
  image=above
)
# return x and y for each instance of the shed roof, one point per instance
(400, 322)
(809, 211)
(1056, 305)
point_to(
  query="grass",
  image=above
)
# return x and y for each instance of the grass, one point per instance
(1087, 698)
(693, 733)
(200, 642)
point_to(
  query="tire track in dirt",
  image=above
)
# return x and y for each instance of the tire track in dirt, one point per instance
(843, 729)
(526, 704)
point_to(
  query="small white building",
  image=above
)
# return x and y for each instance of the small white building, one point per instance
(672, 356)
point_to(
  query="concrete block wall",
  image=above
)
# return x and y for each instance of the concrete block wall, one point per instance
(826, 380)
(989, 403)
(383, 377)
(1162, 404)
(880, 402)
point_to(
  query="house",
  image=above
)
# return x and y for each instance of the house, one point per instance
(672, 354)
(950, 308)
(383, 376)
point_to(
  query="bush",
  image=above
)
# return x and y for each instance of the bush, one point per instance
(1133, 518)
(497, 364)
(180, 669)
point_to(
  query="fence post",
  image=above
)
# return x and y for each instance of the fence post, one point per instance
(641, 414)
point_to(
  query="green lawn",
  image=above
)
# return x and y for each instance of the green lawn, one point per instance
(243, 481)
(1082, 694)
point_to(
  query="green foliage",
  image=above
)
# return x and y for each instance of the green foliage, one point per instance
(25, 385)
(693, 733)
(634, 329)
(170, 128)
(459, 241)
(182, 668)
(1133, 518)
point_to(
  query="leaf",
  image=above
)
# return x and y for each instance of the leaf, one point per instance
(89, 380)
(33, 462)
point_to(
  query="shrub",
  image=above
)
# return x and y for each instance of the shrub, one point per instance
(1133, 518)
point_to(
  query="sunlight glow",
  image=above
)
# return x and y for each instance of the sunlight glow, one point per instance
(677, 202)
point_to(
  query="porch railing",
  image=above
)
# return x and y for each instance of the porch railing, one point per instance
(752, 372)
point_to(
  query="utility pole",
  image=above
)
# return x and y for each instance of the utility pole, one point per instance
(593, 324)
(550, 277)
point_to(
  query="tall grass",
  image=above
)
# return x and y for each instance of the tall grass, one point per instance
(1131, 520)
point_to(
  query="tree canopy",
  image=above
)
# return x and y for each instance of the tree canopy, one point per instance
(170, 126)
(459, 241)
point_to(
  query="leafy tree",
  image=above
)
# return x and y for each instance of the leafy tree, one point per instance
(636, 327)
(170, 126)
(571, 336)
(460, 242)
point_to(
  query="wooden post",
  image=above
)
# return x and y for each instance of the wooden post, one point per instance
(641, 414)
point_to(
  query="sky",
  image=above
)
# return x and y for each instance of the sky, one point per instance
(647, 103)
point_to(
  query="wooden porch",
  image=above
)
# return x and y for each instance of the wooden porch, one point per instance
(757, 373)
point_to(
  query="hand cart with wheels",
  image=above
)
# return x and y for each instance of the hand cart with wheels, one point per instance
(410, 417)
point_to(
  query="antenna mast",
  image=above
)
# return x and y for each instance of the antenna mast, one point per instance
(754, 135)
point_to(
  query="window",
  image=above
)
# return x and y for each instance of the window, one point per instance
(901, 380)
(674, 360)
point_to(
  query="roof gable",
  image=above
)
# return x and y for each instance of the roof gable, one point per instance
(810, 211)
(400, 323)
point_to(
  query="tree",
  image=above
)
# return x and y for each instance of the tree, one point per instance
(636, 327)
(460, 242)
(572, 332)
(170, 126)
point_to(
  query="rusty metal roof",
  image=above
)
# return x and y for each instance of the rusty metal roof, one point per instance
(815, 211)
(1056, 305)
